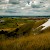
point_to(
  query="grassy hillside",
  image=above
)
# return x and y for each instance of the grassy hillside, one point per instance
(21, 36)
(31, 42)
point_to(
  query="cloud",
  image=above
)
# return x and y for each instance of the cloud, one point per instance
(28, 7)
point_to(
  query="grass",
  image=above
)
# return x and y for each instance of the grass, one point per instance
(31, 42)
(12, 23)
(41, 41)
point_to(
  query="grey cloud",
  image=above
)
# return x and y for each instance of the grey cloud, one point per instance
(35, 9)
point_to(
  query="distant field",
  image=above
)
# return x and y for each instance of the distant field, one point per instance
(23, 34)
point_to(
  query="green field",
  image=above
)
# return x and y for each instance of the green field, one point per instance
(24, 34)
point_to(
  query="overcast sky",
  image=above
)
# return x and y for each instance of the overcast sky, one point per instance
(23, 7)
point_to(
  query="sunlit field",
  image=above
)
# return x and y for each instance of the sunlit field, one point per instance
(24, 34)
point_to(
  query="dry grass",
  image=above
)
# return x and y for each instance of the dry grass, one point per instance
(31, 42)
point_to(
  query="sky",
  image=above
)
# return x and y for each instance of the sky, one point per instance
(25, 7)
